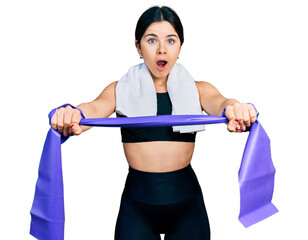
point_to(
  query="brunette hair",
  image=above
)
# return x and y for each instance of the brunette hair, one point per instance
(158, 14)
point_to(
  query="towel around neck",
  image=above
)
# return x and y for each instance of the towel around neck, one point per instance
(136, 95)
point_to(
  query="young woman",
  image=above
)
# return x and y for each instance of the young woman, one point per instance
(162, 193)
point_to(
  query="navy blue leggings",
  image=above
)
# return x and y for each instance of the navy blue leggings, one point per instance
(168, 202)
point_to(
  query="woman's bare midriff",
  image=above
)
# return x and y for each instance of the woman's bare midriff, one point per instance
(159, 156)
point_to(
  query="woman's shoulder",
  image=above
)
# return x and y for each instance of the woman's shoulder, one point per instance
(203, 84)
(112, 84)
(110, 88)
(203, 87)
(108, 92)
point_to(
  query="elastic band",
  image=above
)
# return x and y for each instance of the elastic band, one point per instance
(256, 174)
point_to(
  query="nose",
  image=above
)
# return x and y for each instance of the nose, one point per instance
(161, 49)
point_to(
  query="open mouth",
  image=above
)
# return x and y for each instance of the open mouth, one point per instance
(161, 63)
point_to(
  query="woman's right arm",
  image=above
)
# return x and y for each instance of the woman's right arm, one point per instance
(66, 120)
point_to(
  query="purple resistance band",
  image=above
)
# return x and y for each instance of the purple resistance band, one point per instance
(256, 174)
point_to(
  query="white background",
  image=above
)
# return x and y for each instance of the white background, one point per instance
(54, 52)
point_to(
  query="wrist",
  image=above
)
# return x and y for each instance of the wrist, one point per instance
(224, 110)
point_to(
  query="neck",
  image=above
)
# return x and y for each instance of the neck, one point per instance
(160, 82)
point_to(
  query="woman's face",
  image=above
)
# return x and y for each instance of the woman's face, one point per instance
(160, 47)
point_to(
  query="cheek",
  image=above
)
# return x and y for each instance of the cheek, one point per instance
(146, 47)
(149, 51)
(176, 50)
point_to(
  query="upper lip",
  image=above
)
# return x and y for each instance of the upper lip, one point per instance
(161, 60)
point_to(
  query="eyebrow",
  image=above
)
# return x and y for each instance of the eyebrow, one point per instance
(153, 35)
(150, 34)
(172, 35)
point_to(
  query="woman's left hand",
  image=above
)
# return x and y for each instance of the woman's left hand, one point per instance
(241, 116)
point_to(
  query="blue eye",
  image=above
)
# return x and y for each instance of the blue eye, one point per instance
(152, 41)
(171, 41)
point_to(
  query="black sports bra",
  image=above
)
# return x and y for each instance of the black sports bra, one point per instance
(148, 134)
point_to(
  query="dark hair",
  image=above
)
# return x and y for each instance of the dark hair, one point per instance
(158, 14)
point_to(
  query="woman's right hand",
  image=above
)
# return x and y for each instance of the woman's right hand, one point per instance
(66, 121)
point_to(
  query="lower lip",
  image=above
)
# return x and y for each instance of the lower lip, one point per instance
(161, 68)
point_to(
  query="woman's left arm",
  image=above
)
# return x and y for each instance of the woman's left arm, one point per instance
(240, 115)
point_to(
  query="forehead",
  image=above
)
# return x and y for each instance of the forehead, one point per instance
(160, 28)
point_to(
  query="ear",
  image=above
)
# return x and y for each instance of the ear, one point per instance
(138, 47)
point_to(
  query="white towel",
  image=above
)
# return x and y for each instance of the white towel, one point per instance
(136, 95)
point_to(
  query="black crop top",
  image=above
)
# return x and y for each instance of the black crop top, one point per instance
(148, 134)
